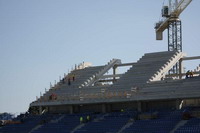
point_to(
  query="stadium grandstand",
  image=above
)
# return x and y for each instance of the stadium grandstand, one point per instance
(148, 98)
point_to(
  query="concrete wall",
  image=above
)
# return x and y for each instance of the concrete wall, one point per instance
(191, 102)
(159, 105)
(108, 107)
(91, 108)
(59, 109)
(123, 105)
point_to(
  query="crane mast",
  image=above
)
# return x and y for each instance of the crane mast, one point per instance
(174, 28)
(172, 22)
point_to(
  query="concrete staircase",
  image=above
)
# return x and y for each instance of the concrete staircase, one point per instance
(150, 67)
(167, 66)
(95, 77)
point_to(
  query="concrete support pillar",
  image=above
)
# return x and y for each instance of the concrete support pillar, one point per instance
(40, 110)
(178, 102)
(103, 108)
(180, 68)
(46, 109)
(114, 73)
(198, 103)
(139, 106)
(71, 111)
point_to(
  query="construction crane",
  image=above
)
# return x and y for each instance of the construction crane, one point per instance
(172, 22)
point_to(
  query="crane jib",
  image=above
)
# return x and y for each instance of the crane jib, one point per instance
(173, 14)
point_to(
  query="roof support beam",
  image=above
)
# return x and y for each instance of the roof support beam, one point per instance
(191, 58)
(125, 64)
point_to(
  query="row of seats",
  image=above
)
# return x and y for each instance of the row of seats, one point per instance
(165, 122)
(65, 125)
(24, 124)
(114, 122)
(110, 123)
(192, 126)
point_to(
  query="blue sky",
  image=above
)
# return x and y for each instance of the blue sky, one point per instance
(41, 40)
